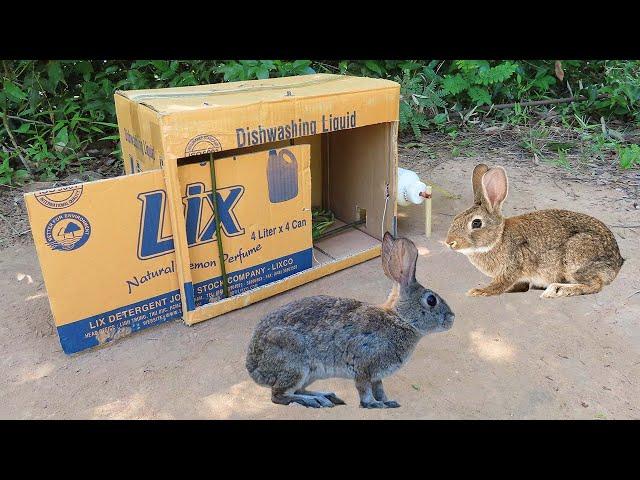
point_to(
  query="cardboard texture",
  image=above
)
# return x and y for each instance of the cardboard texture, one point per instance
(122, 268)
(160, 127)
(87, 240)
(171, 123)
(260, 244)
(280, 146)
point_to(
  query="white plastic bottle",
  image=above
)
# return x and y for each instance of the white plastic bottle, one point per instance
(409, 188)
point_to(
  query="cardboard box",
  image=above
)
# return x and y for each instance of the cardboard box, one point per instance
(107, 252)
(347, 128)
(86, 237)
(264, 202)
(350, 123)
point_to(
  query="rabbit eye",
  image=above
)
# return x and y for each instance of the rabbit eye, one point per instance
(477, 223)
(432, 300)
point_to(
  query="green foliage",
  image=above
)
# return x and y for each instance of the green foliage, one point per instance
(421, 98)
(476, 78)
(56, 110)
(52, 113)
(259, 69)
(9, 175)
(629, 156)
(321, 220)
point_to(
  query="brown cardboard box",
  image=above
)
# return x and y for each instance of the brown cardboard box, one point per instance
(350, 123)
(340, 131)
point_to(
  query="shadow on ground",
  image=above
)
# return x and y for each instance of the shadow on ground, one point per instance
(513, 356)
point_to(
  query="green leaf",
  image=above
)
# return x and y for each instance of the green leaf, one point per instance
(85, 69)
(480, 96)
(440, 118)
(629, 156)
(20, 175)
(262, 72)
(62, 137)
(496, 74)
(269, 64)
(13, 91)
(454, 84)
(107, 124)
(110, 137)
(410, 65)
(24, 128)
(54, 71)
(373, 66)
(301, 63)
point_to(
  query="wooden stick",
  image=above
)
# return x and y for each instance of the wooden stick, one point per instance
(214, 190)
(552, 101)
(13, 117)
(427, 211)
(339, 229)
(533, 103)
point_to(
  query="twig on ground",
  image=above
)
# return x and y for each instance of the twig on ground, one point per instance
(26, 120)
(534, 103)
(551, 101)
(9, 223)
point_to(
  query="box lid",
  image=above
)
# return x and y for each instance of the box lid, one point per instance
(166, 101)
(158, 126)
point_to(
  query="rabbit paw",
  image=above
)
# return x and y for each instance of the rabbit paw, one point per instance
(333, 398)
(480, 292)
(555, 290)
(308, 401)
(373, 404)
(323, 401)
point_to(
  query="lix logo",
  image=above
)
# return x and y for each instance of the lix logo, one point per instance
(199, 218)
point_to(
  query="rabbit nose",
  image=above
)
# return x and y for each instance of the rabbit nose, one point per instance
(448, 320)
(452, 243)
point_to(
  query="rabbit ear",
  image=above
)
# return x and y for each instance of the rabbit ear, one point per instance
(495, 187)
(401, 261)
(476, 181)
(387, 249)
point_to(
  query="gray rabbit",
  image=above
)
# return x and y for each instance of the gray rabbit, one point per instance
(327, 337)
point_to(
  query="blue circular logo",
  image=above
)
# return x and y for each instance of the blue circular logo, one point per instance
(67, 231)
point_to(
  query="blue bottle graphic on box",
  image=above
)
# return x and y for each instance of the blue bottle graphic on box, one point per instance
(282, 175)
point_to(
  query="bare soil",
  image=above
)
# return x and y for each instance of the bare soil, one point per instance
(515, 356)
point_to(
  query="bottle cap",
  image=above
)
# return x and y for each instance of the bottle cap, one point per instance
(413, 192)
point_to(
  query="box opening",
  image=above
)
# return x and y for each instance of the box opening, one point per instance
(350, 175)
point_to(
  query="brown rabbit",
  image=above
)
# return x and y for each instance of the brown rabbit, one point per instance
(566, 253)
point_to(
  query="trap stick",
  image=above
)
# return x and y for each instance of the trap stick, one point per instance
(214, 192)
(342, 228)
(427, 210)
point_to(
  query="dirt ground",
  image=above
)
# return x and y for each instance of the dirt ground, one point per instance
(515, 356)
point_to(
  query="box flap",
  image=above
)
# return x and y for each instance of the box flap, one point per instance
(234, 94)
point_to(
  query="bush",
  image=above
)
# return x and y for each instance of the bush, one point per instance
(55, 112)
